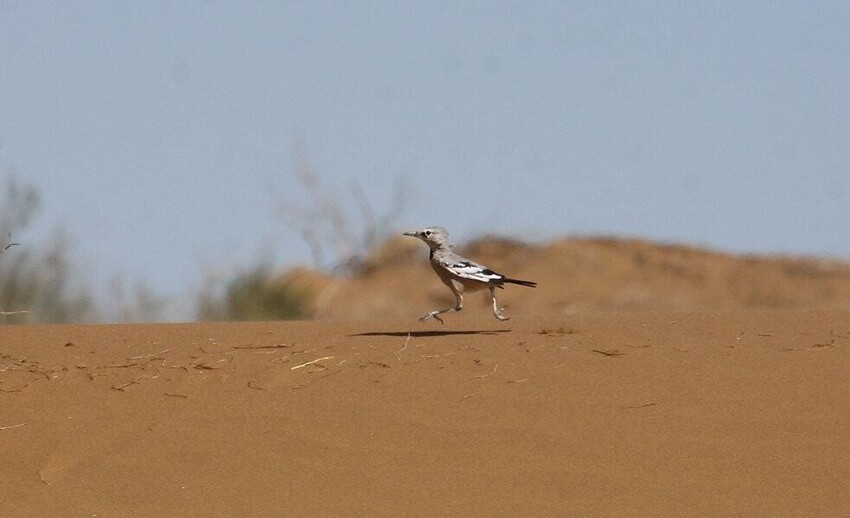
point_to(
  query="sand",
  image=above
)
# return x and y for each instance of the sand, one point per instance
(577, 276)
(613, 414)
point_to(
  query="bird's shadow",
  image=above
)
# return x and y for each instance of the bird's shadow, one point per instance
(421, 334)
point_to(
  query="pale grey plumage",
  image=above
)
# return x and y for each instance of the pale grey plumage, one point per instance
(459, 273)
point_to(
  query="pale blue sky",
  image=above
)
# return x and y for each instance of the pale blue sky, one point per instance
(159, 132)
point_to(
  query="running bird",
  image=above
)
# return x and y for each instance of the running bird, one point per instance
(459, 273)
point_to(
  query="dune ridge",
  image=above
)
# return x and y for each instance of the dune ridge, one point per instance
(583, 275)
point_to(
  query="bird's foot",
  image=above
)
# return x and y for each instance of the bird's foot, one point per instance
(434, 314)
(500, 315)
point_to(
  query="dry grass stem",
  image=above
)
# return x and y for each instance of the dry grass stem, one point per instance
(403, 348)
(40, 476)
(639, 406)
(609, 353)
(22, 387)
(121, 388)
(313, 362)
(470, 394)
(436, 355)
(10, 427)
(275, 346)
(496, 366)
(10, 245)
(203, 366)
(151, 355)
(121, 365)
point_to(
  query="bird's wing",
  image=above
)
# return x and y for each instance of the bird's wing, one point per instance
(466, 269)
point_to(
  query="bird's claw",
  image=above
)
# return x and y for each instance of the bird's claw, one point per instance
(499, 315)
(433, 315)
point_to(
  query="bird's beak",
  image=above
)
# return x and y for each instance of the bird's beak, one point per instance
(411, 234)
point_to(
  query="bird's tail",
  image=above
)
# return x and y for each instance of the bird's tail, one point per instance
(530, 284)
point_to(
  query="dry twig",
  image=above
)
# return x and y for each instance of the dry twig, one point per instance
(151, 356)
(22, 387)
(403, 348)
(122, 387)
(121, 365)
(609, 353)
(274, 346)
(10, 245)
(313, 362)
(203, 366)
(43, 479)
(639, 406)
(496, 366)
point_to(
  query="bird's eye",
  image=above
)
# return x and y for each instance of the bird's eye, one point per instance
(427, 232)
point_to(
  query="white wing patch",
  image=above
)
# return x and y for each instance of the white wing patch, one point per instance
(475, 272)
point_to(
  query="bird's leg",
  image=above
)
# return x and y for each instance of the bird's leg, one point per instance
(435, 314)
(497, 311)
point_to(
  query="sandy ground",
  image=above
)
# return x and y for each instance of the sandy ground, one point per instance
(631, 414)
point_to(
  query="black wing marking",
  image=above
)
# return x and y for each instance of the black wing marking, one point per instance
(476, 272)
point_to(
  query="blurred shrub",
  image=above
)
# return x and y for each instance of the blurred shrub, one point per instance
(256, 294)
(340, 225)
(132, 302)
(36, 283)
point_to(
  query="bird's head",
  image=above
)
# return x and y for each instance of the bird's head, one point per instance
(434, 237)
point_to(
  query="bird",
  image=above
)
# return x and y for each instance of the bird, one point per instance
(460, 274)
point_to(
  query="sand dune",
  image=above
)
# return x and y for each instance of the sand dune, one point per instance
(584, 276)
(630, 414)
